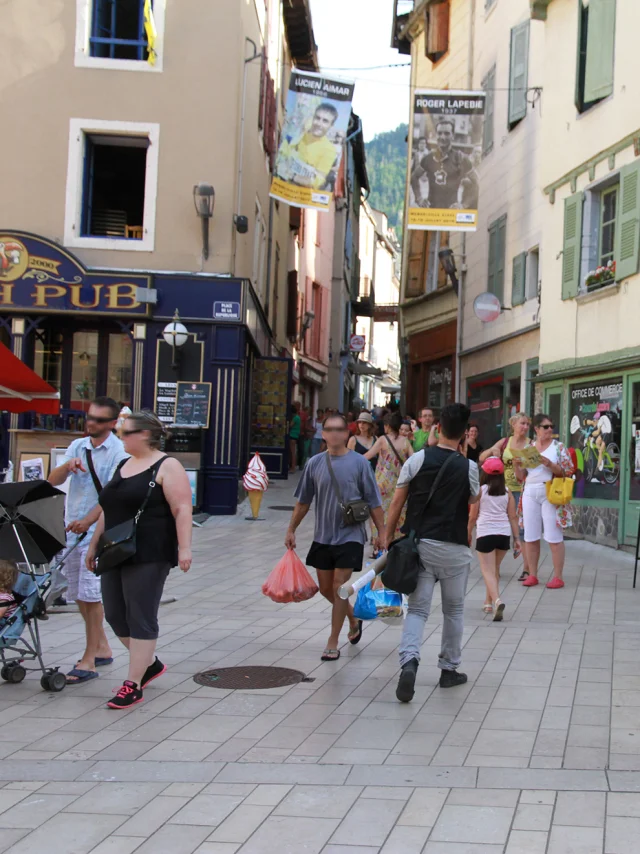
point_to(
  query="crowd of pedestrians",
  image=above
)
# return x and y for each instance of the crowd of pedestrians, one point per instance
(431, 477)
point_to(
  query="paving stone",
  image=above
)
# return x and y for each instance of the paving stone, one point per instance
(240, 825)
(369, 822)
(175, 839)
(69, 834)
(533, 817)
(325, 801)
(527, 842)
(622, 835)
(486, 825)
(576, 840)
(619, 804)
(585, 809)
(283, 834)
(530, 778)
(406, 840)
(423, 807)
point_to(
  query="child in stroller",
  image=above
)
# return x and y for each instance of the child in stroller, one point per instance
(22, 605)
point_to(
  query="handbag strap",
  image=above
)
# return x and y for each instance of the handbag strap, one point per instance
(152, 483)
(393, 448)
(92, 472)
(334, 480)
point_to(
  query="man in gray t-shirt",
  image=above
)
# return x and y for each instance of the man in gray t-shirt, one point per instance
(337, 549)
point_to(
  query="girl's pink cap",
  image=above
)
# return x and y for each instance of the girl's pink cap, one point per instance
(493, 465)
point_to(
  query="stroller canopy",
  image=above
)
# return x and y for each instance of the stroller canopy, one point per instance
(31, 521)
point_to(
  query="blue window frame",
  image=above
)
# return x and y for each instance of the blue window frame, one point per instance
(117, 30)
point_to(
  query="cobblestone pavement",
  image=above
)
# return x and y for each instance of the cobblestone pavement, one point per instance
(538, 754)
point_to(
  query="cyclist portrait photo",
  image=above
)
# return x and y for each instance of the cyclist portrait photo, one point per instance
(595, 435)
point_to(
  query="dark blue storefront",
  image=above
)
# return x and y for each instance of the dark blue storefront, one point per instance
(91, 332)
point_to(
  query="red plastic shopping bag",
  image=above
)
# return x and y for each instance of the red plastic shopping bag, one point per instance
(289, 581)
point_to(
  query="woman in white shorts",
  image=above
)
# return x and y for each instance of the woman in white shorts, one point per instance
(537, 511)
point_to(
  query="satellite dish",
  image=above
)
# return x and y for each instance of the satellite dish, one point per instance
(487, 307)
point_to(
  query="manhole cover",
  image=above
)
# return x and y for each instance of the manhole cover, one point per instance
(282, 507)
(250, 677)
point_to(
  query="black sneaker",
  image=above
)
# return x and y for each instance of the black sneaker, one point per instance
(127, 696)
(451, 678)
(60, 602)
(407, 681)
(152, 672)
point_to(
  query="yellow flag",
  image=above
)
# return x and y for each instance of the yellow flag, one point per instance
(150, 30)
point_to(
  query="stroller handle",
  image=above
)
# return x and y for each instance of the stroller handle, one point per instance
(350, 588)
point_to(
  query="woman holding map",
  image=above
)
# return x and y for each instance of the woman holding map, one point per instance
(547, 459)
(520, 424)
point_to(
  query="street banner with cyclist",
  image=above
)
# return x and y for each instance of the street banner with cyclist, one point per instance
(595, 432)
(313, 136)
(445, 150)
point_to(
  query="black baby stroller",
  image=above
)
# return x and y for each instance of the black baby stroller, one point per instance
(31, 533)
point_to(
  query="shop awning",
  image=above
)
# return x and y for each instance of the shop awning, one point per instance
(22, 390)
(364, 368)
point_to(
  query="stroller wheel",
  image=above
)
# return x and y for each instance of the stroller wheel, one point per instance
(5, 673)
(53, 681)
(16, 673)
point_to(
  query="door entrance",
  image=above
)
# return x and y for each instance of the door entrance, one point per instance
(632, 503)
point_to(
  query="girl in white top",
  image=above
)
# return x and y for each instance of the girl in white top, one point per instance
(496, 518)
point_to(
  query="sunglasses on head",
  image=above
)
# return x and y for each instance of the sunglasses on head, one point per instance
(99, 420)
(131, 432)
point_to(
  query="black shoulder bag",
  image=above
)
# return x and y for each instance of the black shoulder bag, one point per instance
(353, 512)
(403, 559)
(119, 543)
(92, 472)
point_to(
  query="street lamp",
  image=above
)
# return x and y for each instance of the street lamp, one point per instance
(175, 335)
(449, 266)
(307, 323)
(204, 198)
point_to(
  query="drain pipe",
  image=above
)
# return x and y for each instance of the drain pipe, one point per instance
(256, 55)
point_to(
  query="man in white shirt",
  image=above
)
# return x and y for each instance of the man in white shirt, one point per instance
(102, 451)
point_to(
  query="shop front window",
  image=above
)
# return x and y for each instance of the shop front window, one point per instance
(634, 483)
(47, 358)
(595, 428)
(119, 368)
(485, 401)
(84, 369)
(440, 385)
(513, 397)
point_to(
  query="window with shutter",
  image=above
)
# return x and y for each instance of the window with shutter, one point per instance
(292, 304)
(491, 274)
(437, 29)
(416, 269)
(572, 241)
(533, 273)
(518, 279)
(489, 85)
(627, 237)
(596, 52)
(497, 248)
(518, 73)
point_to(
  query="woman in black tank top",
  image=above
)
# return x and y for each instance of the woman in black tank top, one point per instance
(364, 439)
(131, 592)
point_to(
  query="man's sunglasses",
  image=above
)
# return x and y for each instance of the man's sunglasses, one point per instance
(100, 420)
(546, 426)
(131, 432)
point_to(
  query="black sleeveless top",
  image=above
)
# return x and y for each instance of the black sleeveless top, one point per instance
(156, 535)
(362, 449)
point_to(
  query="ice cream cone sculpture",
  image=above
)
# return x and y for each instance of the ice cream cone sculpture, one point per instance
(125, 412)
(256, 482)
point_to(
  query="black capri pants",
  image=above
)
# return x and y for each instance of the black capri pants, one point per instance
(131, 597)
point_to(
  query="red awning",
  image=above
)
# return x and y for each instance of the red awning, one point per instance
(22, 390)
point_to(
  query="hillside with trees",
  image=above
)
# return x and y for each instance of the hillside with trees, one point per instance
(387, 167)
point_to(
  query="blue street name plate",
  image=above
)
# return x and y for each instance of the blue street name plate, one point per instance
(226, 311)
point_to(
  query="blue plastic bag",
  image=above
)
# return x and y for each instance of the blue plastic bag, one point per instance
(371, 604)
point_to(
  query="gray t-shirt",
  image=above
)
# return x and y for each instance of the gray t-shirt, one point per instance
(356, 481)
(441, 554)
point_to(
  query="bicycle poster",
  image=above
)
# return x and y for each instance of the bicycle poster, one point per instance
(595, 432)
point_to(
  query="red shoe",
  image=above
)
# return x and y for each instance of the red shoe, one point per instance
(555, 584)
(531, 581)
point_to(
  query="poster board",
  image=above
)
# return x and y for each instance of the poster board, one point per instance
(192, 404)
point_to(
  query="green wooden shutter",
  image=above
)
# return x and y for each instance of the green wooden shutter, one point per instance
(489, 84)
(627, 238)
(519, 272)
(491, 274)
(598, 80)
(572, 245)
(501, 247)
(518, 73)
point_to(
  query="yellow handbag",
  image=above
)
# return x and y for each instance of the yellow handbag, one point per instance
(559, 490)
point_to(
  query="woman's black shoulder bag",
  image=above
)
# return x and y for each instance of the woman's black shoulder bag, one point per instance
(119, 543)
(403, 560)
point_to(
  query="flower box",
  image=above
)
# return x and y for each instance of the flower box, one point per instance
(600, 276)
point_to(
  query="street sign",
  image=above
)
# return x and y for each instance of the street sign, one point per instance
(357, 343)
(486, 307)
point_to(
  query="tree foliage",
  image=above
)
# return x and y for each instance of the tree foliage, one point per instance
(387, 170)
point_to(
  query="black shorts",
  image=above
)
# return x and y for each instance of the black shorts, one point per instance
(492, 543)
(344, 556)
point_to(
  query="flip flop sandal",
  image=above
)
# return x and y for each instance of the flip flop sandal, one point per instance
(330, 655)
(487, 608)
(100, 662)
(81, 676)
(355, 634)
(525, 574)
(499, 615)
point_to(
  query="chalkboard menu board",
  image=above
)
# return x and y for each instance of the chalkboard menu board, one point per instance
(183, 440)
(193, 403)
(166, 402)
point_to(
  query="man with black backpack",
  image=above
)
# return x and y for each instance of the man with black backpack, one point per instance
(440, 483)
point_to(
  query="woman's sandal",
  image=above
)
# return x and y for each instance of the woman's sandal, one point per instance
(499, 614)
(355, 634)
(487, 608)
(330, 655)
(525, 574)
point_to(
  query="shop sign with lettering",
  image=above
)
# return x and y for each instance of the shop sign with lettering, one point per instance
(38, 275)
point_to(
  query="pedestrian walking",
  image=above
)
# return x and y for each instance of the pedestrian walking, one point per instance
(421, 436)
(338, 547)
(316, 441)
(133, 589)
(442, 478)
(495, 517)
(90, 462)
(392, 451)
(364, 439)
(474, 448)
(294, 435)
(518, 440)
(538, 512)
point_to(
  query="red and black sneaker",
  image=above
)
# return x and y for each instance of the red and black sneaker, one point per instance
(152, 672)
(127, 696)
